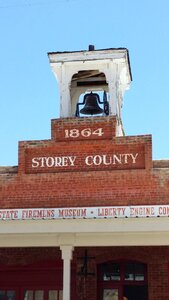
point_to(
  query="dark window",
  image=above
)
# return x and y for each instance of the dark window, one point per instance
(110, 272)
(7, 295)
(122, 271)
(122, 279)
(134, 271)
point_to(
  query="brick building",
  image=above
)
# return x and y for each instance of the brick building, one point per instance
(84, 215)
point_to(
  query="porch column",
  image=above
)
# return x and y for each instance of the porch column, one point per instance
(66, 256)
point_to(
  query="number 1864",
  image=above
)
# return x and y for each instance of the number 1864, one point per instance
(86, 132)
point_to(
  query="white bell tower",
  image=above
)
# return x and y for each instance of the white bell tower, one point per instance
(78, 72)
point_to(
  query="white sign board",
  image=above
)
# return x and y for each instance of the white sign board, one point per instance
(101, 212)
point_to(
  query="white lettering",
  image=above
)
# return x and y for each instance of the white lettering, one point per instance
(126, 155)
(58, 161)
(86, 132)
(35, 162)
(88, 160)
(43, 160)
(106, 160)
(72, 160)
(65, 161)
(97, 160)
(134, 158)
(116, 159)
(49, 162)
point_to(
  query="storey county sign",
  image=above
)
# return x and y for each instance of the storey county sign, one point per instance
(102, 212)
(89, 160)
(79, 159)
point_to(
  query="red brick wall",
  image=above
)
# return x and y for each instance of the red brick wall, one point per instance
(156, 259)
(143, 185)
(83, 186)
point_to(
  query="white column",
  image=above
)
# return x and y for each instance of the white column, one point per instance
(66, 256)
(112, 85)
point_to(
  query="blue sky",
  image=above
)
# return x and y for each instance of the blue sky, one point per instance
(29, 96)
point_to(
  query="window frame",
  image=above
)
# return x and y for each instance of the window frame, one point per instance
(122, 265)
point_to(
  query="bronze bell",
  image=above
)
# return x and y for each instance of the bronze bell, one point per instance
(91, 107)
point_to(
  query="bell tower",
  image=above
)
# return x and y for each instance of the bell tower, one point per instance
(94, 74)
